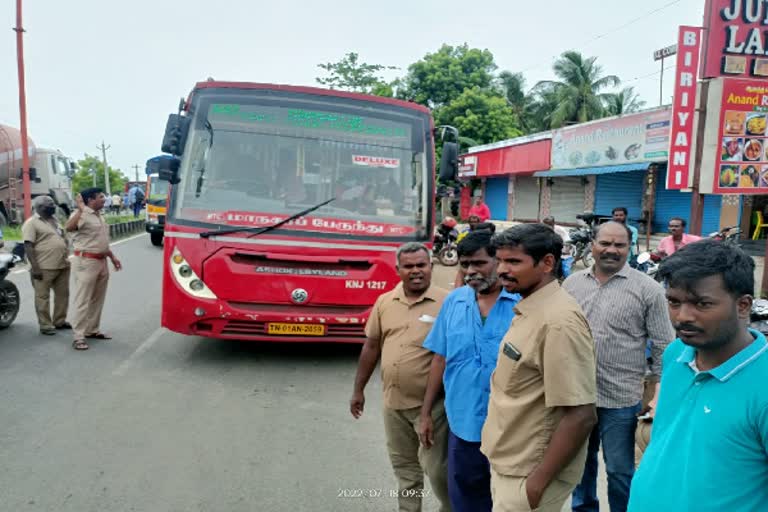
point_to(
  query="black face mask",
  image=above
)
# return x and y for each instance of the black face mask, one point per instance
(49, 210)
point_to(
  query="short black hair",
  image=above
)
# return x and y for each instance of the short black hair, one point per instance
(487, 227)
(90, 193)
(475, 241)
(536, 240)
(620, 209)
(683, 222)
(706, 258)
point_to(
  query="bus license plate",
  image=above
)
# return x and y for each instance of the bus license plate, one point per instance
(296, 329)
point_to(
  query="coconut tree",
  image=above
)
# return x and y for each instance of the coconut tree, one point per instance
(625, 101)
(579, 89)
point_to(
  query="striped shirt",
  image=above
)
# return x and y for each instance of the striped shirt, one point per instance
(624, 313)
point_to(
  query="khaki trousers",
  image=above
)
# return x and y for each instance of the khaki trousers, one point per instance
(58, 280)
(509, 495)
(410, 460)
(91, 279)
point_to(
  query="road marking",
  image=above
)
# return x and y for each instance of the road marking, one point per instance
(134, 237)
(144, 347)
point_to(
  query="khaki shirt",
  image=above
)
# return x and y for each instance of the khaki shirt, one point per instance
(92, 233)
(51, 249)
(397, 323)
(556, 369)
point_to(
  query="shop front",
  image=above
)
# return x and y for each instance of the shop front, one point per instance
(505, 170)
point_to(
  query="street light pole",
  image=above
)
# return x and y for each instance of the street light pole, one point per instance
(104, 149)
(26, 185)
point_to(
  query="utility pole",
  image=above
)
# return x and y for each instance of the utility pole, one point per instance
(93, 173)
(136, 168)
(104, 149)
(26, 185)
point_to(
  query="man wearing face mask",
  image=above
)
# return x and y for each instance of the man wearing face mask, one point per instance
(465, 340)
(47, 251)
(625, 308)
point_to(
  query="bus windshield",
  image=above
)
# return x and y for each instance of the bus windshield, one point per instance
(251, 162)
(158, 189)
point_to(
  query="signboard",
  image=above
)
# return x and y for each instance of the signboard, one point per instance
(376, 161)
(741, 160)
(683, 108)
(736, 39)
(665, 52)
(468, 166)
(642, 137)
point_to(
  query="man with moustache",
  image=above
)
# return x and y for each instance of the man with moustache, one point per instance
(395, 331)
(625, 308)
(542, 404)
(465, 340)
(711, 423)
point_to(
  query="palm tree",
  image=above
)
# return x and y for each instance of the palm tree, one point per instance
(578, 90)
(626, 101)
(512, 87)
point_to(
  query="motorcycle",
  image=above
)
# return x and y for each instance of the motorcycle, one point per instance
(730, 235)
(445, 246)
(9, 294)
(758, 318)
(581, 240)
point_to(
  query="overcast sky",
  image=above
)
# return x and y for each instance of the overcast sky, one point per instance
(115, 70)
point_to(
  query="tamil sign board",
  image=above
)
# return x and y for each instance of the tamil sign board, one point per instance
(737, 39)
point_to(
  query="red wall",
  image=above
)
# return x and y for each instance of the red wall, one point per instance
(521, 159)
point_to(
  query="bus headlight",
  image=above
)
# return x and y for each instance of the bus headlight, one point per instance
(187, 279)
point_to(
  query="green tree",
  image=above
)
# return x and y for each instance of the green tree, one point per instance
(83, 178)
(481, 116)
(579, 89)
(512, 87)
(441, 77)
(626, 101)
(350, 74)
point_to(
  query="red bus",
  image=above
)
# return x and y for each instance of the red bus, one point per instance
(289, 205)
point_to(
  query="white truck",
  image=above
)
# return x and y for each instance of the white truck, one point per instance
(50, 174)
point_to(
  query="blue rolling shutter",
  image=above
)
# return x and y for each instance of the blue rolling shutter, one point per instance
(496, 192)
(620, 189)
(673, 203)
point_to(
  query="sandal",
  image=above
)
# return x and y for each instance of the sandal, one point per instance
(98, 336)
(80, 345)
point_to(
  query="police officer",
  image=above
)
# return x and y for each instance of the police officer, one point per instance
(47, 252)
(91, 244)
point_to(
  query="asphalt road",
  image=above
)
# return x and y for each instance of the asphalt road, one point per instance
(154, 421)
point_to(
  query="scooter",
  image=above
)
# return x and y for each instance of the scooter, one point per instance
(648, 263)
(9, 294)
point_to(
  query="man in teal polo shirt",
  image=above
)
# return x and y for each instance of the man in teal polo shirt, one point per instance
(465, 339)
(709, 446)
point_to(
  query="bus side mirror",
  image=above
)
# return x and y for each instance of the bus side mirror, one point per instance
(167, 169)
(449, 162)
(175, 138)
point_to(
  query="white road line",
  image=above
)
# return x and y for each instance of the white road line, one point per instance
(134, 237)
(144, 347)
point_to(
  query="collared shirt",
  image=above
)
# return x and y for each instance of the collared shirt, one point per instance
(51, 248)
(667, 244)
(556, 369)
(712, 428)
(470, 347)
(92, 233)
(624, 313)
(400, 324)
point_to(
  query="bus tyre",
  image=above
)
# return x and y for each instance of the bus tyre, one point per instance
(157, 239)
(9, 303)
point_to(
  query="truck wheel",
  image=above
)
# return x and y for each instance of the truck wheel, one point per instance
(157, 239)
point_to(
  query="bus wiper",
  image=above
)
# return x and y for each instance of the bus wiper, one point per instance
(264, 229)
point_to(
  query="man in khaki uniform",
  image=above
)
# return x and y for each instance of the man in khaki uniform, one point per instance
(47, 252)
(396, 329)
(91, 244)
(543, 391)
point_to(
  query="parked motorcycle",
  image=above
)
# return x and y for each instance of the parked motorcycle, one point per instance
(445, 246)
(730, 235)
(581, 240)
(9, 294)
(758, 318)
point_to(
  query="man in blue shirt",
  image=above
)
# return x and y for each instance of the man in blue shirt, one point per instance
(709, 445)
(620, 215)
(465, 339)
